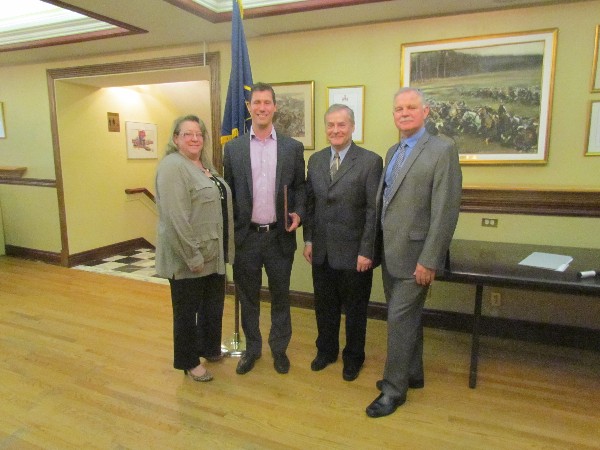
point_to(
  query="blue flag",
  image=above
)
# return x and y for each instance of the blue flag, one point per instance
(236, 120)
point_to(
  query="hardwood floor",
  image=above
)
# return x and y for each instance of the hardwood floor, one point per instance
(86, 362)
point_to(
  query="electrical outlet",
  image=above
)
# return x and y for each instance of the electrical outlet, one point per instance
(496, 299)
(485, 222)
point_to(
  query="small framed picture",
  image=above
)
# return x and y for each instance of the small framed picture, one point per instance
(593, 141)
(114, 125)
(595, 68)
(354, 98)
(2, 129)
(141, 140)
(295, 116)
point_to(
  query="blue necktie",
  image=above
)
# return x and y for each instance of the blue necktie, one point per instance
(387, 191)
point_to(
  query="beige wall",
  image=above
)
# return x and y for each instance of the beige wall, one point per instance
(96, 170)
(370, 55)
(366, 55)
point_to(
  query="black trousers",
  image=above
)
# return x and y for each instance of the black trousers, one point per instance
(336, 290)
(257, 251)
(197, 318)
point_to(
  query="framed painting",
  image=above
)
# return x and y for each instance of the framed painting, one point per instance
(141, 140)
(354, 98)
(295, 116)
(593, 134)
(2, 129)
(492, 95)
(595, 69)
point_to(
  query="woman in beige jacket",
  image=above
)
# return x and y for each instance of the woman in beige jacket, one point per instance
(195, 239)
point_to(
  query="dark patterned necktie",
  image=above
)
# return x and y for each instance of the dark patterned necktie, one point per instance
(335, 165)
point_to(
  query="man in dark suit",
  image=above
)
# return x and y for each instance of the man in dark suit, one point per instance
(339, 233)
(418, 205)
(257, 167)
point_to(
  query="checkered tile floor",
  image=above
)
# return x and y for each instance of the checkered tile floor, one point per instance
(137, 264)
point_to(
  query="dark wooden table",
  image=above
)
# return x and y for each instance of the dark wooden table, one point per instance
(484, 263)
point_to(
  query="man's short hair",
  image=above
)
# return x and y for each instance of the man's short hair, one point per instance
(261, 87)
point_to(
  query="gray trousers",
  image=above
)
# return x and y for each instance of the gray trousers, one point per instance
(405, 300)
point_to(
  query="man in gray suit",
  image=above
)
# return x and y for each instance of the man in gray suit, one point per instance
(339, 233)
(258, 166)
(418, 205)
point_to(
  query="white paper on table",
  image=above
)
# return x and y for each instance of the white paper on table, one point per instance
(550, 261)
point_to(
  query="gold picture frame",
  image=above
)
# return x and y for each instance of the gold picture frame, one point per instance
(492, 95)
(354, 98)
(295, 116)
(595, 69)
(593, 131)
(2, 127)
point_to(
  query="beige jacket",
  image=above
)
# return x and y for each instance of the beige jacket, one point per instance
(190, 227)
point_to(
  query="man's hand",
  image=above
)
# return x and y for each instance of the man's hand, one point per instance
(308, 253)
(423, 275)
(295, 221)
(363, 264)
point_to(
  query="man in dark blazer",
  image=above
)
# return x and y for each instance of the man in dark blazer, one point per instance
(258, 166)
(418, 206)
(339, 233)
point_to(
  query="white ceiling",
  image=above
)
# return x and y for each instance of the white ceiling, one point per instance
(168, 25)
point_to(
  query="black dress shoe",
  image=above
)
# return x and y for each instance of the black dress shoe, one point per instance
(281, 362)
(350, 372)
(413, 383)
(246, 363)
(384, 405)
(320, 362)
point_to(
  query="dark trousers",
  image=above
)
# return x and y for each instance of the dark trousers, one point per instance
(405, 299)
(334, 290)
(257, 251)
(197, 318)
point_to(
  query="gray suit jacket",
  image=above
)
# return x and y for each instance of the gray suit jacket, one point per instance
(190, 225)
(340, 213)
(422, 215)
(290, 171)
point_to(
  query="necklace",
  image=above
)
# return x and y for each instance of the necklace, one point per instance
(203, 169)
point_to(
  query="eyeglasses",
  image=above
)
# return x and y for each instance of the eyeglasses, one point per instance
(190, 135)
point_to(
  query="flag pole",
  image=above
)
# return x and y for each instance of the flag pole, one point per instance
(235, 121)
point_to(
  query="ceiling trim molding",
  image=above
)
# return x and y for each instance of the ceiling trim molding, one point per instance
(266, 11)
(123, 29)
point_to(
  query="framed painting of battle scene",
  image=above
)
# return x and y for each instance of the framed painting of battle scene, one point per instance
(492, 95)
(295, 116)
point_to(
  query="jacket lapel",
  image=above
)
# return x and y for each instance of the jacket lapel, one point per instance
(279, 165)
(247, 164)
(347, 163)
